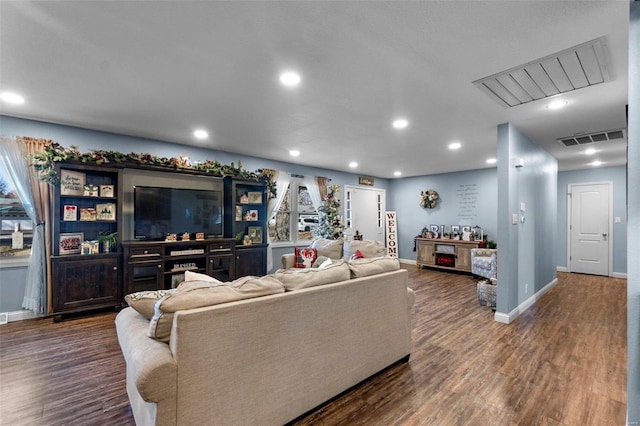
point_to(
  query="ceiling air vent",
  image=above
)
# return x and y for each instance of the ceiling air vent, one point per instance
(574, 68)
(583, 139)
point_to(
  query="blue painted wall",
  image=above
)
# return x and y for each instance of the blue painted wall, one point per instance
(527, 260)
(633, 231)
(466, 198)
(618, 176)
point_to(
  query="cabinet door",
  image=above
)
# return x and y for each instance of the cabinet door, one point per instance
(251, 261)
(221, 267)
(141, 276)
(426, 254)
(85, 283)
(463, 258)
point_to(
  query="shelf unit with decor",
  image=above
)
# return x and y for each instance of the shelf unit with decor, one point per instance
(246, 221)
(85, 206)
(445, 253)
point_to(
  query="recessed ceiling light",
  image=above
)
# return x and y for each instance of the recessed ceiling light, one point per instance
(455, 145)
(557, 104)
(590, 151)
(294, 153)
(397, 173)
(400, 123)
(12, 98)
(596, 163)
(353, 164)
(492, 161)
(290, 78)
(201, 134)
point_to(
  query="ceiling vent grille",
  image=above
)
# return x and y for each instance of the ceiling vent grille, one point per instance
(572, 69)
(583, 139)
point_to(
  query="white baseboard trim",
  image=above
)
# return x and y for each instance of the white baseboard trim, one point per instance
(562, 269)
(508, 318)
(17, 316)
(409, 261)
(619, 275)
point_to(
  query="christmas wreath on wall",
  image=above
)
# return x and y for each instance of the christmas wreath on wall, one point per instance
(428, 199)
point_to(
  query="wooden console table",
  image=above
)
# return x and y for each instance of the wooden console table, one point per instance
(445, 253)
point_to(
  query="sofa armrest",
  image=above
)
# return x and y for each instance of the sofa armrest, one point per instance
(288, 260)
(150, 363)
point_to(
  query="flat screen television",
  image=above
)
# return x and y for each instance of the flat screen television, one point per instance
(162, 211)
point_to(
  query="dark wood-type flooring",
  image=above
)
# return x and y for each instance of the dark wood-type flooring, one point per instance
(562, 362)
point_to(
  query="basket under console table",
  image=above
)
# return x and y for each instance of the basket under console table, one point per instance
(446, 254)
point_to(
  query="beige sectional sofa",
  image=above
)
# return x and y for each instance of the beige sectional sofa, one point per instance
(266, 360)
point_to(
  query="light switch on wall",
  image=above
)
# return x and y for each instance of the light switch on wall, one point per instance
(514, 219)
(618, 220)
(522, 207)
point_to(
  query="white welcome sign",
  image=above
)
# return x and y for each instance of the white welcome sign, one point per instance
(392, 234)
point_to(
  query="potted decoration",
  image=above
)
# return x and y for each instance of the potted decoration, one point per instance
(109, 241)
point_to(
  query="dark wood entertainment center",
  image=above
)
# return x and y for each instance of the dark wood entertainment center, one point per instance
(97, 200)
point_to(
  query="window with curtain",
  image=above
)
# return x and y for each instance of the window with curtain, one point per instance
(12, 214)
(296, 218)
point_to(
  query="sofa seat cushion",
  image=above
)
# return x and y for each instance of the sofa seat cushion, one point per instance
(198, 294)
(367, 248)
(367, 266)
(295, 279)
(329, 248)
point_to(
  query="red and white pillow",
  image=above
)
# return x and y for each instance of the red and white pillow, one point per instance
(305, 257)
(357, 255)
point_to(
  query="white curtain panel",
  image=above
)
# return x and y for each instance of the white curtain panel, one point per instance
(282, 183)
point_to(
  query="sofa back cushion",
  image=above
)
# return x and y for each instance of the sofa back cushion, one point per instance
(367, 248)
(367, 266)
(198, 294)
(295, 279)
(329, 248)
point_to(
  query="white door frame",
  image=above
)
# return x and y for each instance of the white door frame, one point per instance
(349, 230)
(610, 230)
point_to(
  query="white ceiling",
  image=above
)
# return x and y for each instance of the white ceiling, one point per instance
(160, 70)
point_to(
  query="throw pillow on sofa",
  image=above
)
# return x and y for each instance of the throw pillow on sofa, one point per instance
(305, 257)
(196, 276)
(198, 294)
(144, 301)
(367, 266)
(296, 279)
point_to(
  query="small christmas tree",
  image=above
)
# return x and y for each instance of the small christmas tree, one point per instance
(329, 220)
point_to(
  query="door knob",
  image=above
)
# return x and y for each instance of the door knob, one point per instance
(604, 234)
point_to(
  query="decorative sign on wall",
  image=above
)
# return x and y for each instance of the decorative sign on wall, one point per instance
(364, 180)
(467, 195)
(392, 234)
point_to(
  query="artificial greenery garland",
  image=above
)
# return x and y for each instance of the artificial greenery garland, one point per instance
(44, 164)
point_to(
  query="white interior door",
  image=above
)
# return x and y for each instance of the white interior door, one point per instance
(590, 228)
(364, 212)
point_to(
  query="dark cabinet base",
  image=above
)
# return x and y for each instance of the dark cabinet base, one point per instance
(86, 282)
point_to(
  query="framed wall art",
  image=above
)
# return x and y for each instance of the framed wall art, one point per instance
(72, 182)
(255, 234)
(70, 243)
(255, 197)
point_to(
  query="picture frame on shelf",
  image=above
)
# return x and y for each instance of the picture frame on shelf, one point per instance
(255, 234)
(255, 197)
(88, 215)
(106, 211)
(238, 213)
(72, 182)
(69, 213)
(107, 191)
(252, 216)
(70, 243)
